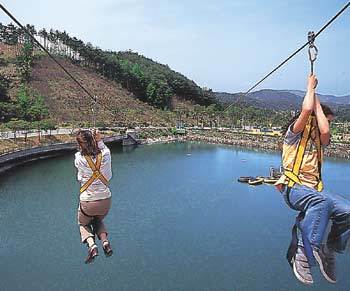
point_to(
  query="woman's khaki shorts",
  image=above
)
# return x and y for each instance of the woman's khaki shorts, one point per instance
(90, 217)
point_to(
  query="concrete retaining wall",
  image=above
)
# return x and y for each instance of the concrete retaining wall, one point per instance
(14, 159)
(11, 160)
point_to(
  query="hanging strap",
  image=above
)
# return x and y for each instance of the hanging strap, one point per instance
(319, 186)
(96, 174)
(292, 249)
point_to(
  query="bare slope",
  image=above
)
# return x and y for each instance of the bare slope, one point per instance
(7, 67)
(67, 102)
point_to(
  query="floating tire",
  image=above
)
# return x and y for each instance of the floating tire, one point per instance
(245, 179)
(256, 181)
(270, 180)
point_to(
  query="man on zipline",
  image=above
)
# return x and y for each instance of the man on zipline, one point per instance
(301, 184)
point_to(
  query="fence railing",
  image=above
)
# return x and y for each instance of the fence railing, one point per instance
(27, 152)
(27, 147)
(47, 144)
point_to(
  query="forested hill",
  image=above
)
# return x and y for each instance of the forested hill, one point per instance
(156, 83)
(32, 88)
(148, 80)
(34, 92)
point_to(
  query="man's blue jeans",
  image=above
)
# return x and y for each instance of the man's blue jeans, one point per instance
(320, 208)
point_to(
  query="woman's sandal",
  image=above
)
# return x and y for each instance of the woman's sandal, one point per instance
(92, 254)
(107, 248)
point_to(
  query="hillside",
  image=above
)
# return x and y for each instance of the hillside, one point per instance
(8, 68)
(67, 102)
(133, 89)
(149, 81)
(145, 72)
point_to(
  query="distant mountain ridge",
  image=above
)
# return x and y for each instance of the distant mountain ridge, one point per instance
(279, 99)
(339, 100)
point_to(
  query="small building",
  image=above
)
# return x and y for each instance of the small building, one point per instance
(346, 137)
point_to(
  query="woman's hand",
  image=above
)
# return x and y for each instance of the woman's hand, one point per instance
(97, 135)
(312, 82)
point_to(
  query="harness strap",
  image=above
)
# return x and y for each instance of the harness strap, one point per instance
(293, 175)
(319, 186)
(293, 178)
(96, 174)
(292, 249)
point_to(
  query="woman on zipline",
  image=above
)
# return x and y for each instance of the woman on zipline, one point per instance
(93, 162)
(301, 184)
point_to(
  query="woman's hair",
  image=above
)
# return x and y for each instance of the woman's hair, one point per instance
(326, 110)
(87, 143)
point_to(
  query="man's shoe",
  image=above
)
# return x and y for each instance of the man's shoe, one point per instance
(325, 258)
(301, 267)
(107, 248)
(92, 254)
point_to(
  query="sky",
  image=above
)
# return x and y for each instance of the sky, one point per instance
(225, 45)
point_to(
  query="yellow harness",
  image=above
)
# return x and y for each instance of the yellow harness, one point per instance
(293, 175)
(96, 174)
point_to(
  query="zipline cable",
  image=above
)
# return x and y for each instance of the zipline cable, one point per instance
(94, 113)
(49, 54)
(293, 54)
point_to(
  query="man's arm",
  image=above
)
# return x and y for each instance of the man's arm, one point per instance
(323, 123)
(308, 105)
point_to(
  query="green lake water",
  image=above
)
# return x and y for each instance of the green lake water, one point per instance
(179, 221)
